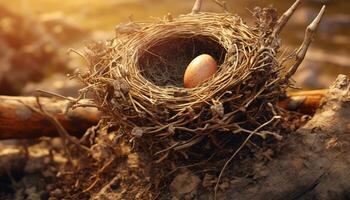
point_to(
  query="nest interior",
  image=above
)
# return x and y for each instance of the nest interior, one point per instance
(137, 82)
(164, 64)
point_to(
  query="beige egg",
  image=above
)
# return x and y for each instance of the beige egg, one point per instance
(199, 70)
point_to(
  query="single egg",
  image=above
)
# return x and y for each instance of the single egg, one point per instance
(199, 70)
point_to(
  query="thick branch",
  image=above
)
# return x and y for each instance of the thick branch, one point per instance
(21, 118)
(306, 102)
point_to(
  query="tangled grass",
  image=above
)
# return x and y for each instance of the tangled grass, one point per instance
(136, 79)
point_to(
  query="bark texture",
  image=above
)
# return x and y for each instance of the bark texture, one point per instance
(20, 117)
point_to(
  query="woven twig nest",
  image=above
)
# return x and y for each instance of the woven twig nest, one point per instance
(137, 80)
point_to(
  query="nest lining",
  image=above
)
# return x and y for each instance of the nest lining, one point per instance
(137, 77)
(165, 62)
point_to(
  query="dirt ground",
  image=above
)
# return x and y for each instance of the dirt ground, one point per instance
(310, 162)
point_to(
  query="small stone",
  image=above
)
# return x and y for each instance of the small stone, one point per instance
(57, 193)
(48, 173)
(115, 185)
(100, 152)
(218, 109)
(49, 187)
(137, 132)
(47, 160)
(224, 186)
(184, 183)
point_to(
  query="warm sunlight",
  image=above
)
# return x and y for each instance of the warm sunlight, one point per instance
(174, 99)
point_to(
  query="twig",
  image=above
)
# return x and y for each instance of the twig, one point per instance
(309, 36)
(197, 7)
(98, 174)
(282, 21)
(239, 149)
(222, 4)
(61, 130)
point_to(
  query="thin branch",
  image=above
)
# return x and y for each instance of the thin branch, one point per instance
(197, 7)
(222, 4)
(239, 149)
(309, 36)
(60, 129)
(282, 21)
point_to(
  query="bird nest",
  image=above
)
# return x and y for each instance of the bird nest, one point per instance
(137, 80)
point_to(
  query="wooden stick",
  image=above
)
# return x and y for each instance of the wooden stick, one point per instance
(282, 21)
(309, 36)
(20, 118)
(197, 7)
(305, 102)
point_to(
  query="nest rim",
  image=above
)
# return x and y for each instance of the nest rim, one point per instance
(229, 70)
(154, 114)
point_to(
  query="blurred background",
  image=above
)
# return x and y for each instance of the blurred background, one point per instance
(35, 36)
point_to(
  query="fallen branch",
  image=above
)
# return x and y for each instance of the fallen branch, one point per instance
(305, 102)
(20, 119)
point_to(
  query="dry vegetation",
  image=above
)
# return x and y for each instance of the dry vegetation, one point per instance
(158, 140)
(136, 82)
